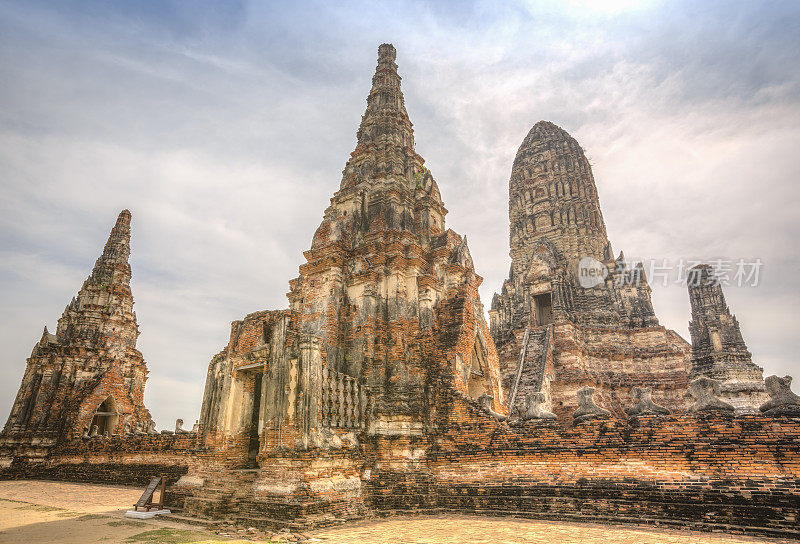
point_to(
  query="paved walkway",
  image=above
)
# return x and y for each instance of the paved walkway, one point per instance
(37, 512)
(87, 498)
(480, 530)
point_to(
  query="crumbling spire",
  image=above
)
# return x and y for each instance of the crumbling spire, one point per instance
(386, 121)
(116, 251)
(102, 313)
(385, 148)
(91, 360)
(718, 349)
(713, 328)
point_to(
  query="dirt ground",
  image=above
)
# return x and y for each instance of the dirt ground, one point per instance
(33, 512)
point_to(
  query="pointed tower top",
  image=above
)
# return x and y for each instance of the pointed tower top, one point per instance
(102, 313)
(116, 251)
(124, 218)
(386, 119)
(386, 51)
(702, 275)
(385, 148)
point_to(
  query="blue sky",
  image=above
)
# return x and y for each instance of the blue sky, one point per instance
(224, 127)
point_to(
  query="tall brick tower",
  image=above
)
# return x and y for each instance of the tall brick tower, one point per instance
(384, 336)
(552, 196)
(570, 314)
(386, 302)
(89, 372)
(718, 349)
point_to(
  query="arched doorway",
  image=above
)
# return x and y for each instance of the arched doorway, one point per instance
(106, 417)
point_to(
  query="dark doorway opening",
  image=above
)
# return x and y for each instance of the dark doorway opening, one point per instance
(252, 452)
(543, 309)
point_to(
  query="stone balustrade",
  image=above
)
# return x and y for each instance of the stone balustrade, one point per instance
(344, 401)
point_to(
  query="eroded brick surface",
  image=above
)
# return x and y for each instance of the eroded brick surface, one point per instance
(379, 388)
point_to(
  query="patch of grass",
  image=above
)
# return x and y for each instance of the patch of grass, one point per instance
(180, 536)
(67, 514)
(90, 517)
(39, 508)
(126, 523)
(171, 536)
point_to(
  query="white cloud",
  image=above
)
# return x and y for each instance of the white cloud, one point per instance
(225, 129)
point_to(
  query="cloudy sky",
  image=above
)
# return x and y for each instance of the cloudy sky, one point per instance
(224, 127)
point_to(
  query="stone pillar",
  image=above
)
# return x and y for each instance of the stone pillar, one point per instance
(310, 388)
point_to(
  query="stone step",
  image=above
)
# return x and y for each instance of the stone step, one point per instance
(258, 521)
(200, 507)
(189, 519)
(219, 487)
(215, 495)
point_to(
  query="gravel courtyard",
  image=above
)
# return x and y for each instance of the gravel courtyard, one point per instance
(33, 512)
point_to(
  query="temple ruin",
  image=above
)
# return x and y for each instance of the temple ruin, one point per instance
(88, 378)
(385, 325)
(718, 349)
(381, 388)
(572, 315)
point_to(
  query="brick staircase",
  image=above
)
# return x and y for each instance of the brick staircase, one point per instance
(530, 366)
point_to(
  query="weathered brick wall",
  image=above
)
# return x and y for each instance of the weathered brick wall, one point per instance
(128, 460)
(459, 324)
(130, 471)
(399, 477)
(691, 470)
(613, 361)
(252, 332)
(292, 488)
